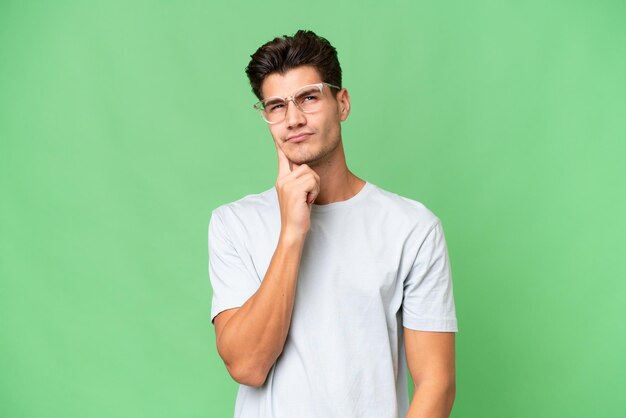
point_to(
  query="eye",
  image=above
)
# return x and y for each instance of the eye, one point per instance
(274, 105)
(308, 96)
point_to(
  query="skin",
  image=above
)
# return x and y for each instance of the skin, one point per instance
(431, 360)
(322, 152)
(250, 338)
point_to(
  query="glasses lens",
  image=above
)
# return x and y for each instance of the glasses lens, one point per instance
(274, 110)
(309, 98)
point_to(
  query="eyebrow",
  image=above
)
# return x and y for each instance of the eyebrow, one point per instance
(273, 100)
(309, 91)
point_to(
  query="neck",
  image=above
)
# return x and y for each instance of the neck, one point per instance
(337, 182)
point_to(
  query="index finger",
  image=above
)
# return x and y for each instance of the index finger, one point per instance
(284, 165)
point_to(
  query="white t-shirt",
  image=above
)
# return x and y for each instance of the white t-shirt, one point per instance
(370, 265)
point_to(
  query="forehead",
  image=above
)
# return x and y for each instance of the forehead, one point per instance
(284, 85)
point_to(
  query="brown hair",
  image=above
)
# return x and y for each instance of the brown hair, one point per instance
(287, 52)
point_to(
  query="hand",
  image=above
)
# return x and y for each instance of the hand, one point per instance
(297, 186)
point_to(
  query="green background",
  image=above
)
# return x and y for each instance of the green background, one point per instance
(124, 123)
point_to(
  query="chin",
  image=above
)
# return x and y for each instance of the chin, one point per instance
(311, 157)
(305, 158)
(300, 156)
(301, 161)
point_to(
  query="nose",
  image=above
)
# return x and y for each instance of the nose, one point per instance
(294, 117)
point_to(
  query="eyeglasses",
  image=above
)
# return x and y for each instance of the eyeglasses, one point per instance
(308, 99)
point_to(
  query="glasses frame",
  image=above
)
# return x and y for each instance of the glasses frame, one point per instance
(260, 106)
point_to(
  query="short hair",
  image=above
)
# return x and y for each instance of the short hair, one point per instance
(287, 52)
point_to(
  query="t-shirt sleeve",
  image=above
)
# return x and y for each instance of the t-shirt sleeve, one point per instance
(428, 303)
(231, 281)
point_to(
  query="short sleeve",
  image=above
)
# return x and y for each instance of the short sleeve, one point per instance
(231, 281)
(428, 302)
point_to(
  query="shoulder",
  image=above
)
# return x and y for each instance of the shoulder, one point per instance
(249, 206)
(402, 208)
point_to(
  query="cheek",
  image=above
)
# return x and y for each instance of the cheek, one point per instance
(332, 120)
(275, 132)
(333, 125)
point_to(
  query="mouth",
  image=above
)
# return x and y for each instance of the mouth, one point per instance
(299, 137)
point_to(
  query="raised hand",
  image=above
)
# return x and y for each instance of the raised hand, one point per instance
(297, 186)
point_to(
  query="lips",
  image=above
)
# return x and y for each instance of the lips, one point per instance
(299, 137)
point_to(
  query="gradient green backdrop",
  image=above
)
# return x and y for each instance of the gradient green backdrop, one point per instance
(123, 123)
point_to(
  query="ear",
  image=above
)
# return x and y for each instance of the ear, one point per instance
(343, 101)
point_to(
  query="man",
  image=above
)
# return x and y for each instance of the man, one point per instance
(325, 287)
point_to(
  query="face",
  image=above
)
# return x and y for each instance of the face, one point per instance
(309, 138)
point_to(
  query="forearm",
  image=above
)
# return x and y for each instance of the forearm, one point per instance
(255, 335)
(432, 400)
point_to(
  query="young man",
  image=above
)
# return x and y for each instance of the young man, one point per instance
(326, 287)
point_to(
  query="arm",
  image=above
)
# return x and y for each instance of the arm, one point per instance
(250, 338)
(430, 357)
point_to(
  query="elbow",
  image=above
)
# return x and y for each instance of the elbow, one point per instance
(448, 385)
(443, 389)
(448, 391)
(447, 388)
(247, 375)
(245, 368)
(451, 392)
